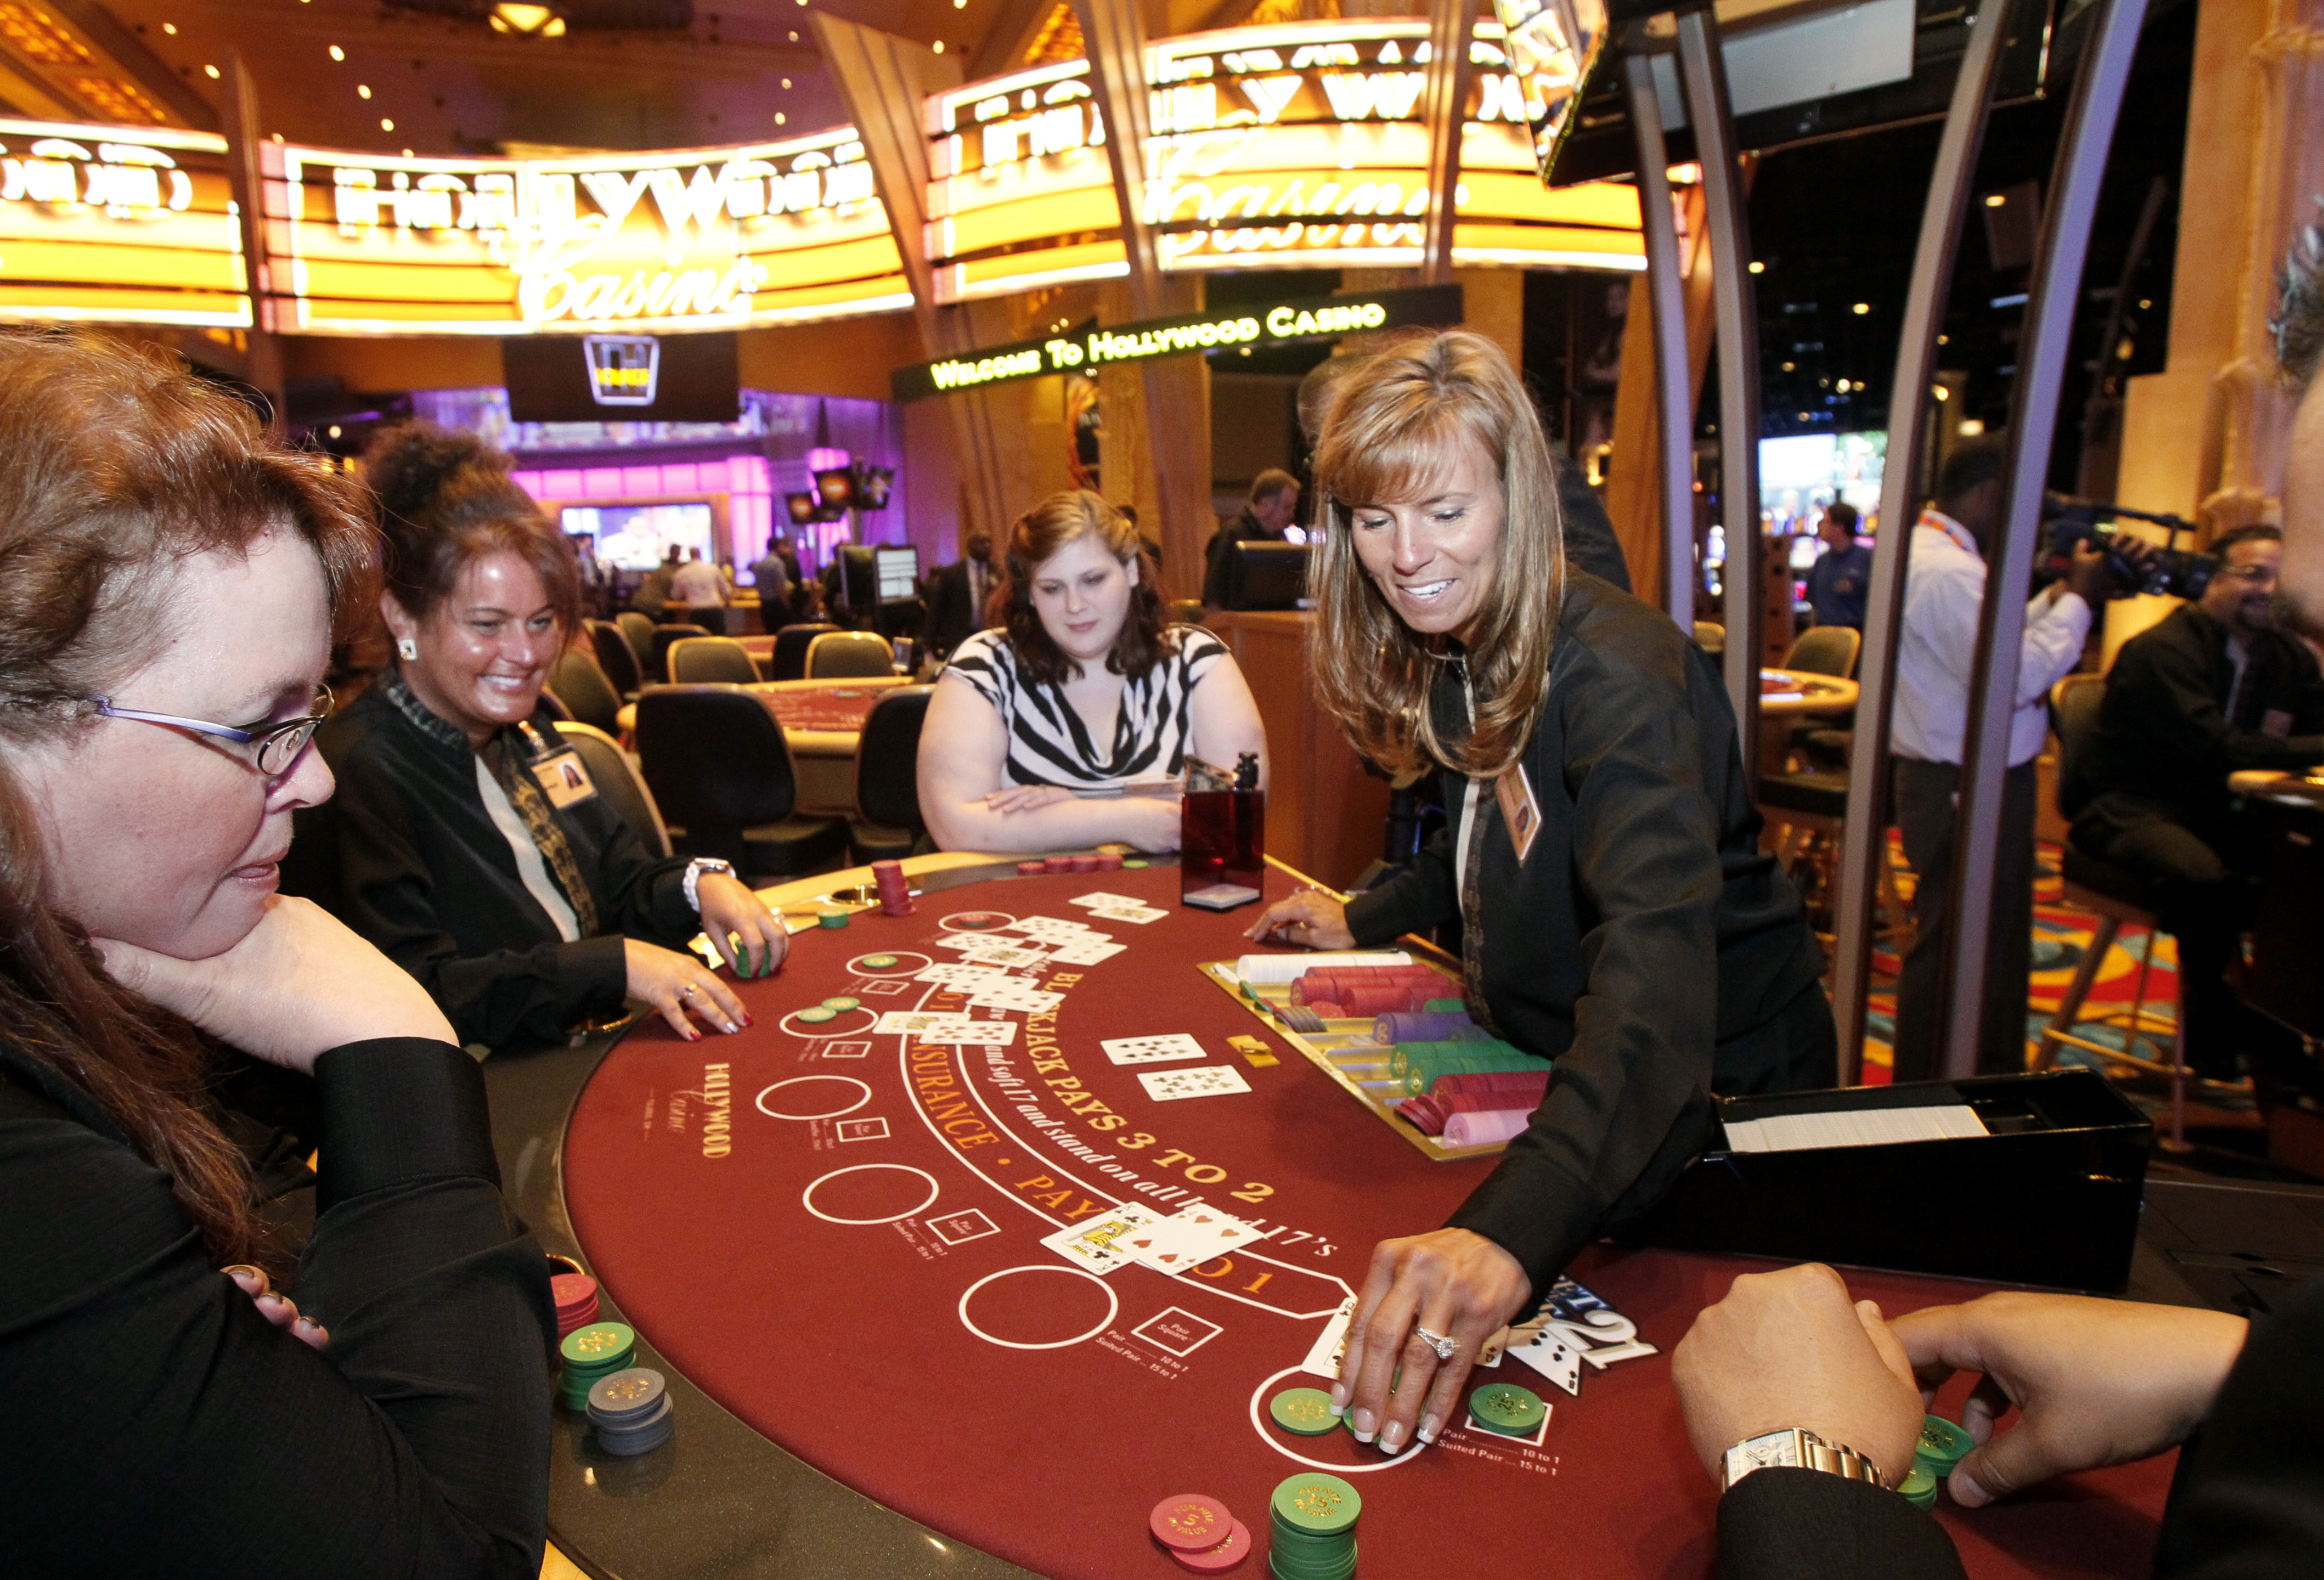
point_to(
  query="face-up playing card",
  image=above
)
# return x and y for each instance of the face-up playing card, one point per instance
(1140, 914)
(1096, 1243)
(1016, 996)
(964, 974)
(1096, 952)
(1187, 1238)
(1098, 897)
(1048, 927)
(1211, 1081)
(1324, 1355)
(1494, 1348)
(994, 952)
(1167, 1049)
(953, 1028)
(1547, 1350)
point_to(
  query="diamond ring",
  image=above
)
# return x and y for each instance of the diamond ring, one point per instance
(1444, 1347)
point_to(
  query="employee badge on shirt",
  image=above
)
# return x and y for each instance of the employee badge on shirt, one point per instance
(1521, 813)
(563, 778)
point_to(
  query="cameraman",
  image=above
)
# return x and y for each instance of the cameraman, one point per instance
(2213, 688)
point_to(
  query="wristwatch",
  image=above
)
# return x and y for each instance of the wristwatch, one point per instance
(694, 871)
(1798, 1447)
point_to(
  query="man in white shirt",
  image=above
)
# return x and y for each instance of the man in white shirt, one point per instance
(1944, 593)
(698, 586)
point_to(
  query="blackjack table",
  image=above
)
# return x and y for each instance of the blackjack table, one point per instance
(828, 1237)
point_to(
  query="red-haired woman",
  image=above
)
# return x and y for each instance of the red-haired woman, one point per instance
(171, 582)
(1070, 723)
(1617, 917)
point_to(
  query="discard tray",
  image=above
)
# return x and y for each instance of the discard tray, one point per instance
(1330, 1051)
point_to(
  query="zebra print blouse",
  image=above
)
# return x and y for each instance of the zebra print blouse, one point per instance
(1048, 743)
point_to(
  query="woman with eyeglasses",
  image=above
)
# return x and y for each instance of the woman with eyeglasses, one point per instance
(169, 582)
(466, 840)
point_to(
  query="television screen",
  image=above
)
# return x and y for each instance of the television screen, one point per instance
(898, 572)
(1266, 576)
(633, 537)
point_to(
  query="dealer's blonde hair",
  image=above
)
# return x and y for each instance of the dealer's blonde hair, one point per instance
(1396, 426)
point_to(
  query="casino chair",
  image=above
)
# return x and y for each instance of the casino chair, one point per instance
(715, 759)
(575, 680)
(617, 658)
(2118, 899)
(711, 660)
(615, 775)
(1825, 650)
(1810, 803)
(639, 628)
(1711, 637)
(791, 643)
(666, 637)
(849, 655)
(888, 780)
(1184, 611)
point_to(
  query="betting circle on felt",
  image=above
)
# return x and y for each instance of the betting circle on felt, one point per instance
(699, 1214)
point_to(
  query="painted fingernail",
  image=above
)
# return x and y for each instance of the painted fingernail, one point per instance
(308, 1325)
(1391, 1439)
(1365, 1426)
(1430, 1426)
(252, 1279)
(271, 1301)
(692, 1035)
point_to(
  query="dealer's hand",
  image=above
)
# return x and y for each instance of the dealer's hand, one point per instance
(2101, 1381)
(1310, 917)
(749, 936)
(1788, 1349)
(1452, 1282)
(677, 984)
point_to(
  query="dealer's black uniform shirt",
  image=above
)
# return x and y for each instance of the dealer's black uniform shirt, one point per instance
(406, 854)
(1644, 925)
(152, 1422)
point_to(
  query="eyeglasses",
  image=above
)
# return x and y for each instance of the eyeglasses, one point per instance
(2255, 575)
(279, 745)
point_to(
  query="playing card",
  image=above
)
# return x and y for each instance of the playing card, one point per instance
(1547, 1350)
(1140, 914)
(1187, 1238)
(1015, 996)
(1049, 927)
(1167, 1049)
(1094, 1243)
(964, 974)
(1211, 1081)
(1097, 951)
(1101, 898)
(1324, 1355)
(995, 952)
(953, 1029)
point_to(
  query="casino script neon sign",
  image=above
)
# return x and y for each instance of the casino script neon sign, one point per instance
(1306, 319)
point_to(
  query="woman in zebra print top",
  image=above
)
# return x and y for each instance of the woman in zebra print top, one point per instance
(1068, 723)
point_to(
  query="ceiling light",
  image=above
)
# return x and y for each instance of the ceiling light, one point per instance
(1970, 427)
(1996, 200)
(1861, 308)
(779, 117)
(210, 70)
(939, 46)
(170, 28)
(525, 20)
(1941, 392)
(385, 124)
(1789, 365)
(363, 90)
(337, 53)
(1757, 267)
(787, 82)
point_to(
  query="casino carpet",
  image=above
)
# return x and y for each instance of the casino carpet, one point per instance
(2061, 936)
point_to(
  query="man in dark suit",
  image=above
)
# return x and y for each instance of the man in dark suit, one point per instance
(957, 594)
(1274, 505)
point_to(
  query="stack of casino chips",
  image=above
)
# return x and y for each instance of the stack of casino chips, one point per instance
(1421, 1065)
(598, 1350)
(631, 1411)
(1199, 1531)
(577, 1301)
(1478, 1091)
(1941, 1445)
(1104, 861)
(1311, 1528)
(1339, 993)
(894, 893)
(1506, 1408)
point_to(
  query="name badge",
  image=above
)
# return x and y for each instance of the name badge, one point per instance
(563, 778)
(1521, 813)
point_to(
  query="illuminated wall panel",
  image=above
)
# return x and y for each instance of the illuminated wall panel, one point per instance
(107, 224)
(704, 239)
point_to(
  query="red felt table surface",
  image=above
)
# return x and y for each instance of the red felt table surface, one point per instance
(867, 1289)
(837, 706)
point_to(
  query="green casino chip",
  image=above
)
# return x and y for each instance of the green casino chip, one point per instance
(841, 1003)
(1943, 1446)
(880, 963)
(1920, 1487)
(1304, 1410)
(590, 1347)
(1317, 1503)
(831, 918)
(1507, 1409)
(1134, 866)
(819, 1015)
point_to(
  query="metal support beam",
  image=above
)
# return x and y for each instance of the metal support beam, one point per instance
(1114, 35)
(1451, 24)
(1673, 385)
(1864, 840)
(263, 363)
(2052, 294)
(1703, 74)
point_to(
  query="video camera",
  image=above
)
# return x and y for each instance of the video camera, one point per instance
(2180, 573)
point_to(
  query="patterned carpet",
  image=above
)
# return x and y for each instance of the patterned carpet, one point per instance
(2061, 936)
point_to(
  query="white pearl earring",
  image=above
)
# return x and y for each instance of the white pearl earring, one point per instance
(406, 649)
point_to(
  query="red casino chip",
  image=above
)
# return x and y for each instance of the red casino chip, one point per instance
(1225, 1556)
(1189, 1522)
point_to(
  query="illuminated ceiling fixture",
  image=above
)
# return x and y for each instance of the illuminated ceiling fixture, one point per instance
(1553, 46)
(531, 22)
